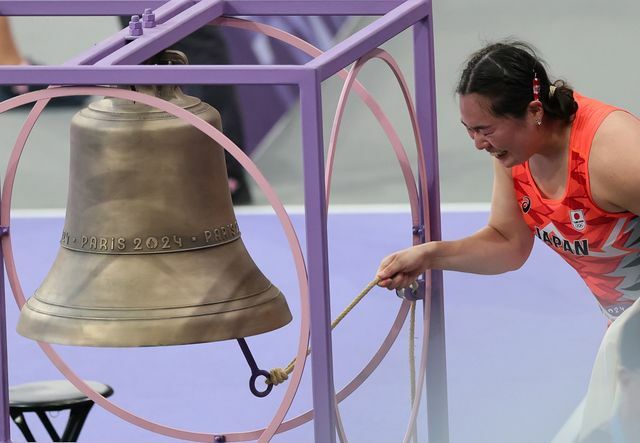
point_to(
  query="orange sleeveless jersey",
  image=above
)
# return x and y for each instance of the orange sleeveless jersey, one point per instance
(603, 247)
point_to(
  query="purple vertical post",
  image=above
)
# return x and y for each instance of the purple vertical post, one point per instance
(5, 432)
(424, 65)
(324, 413)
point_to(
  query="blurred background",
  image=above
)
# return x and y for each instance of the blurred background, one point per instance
(520, 347)
(589, 44)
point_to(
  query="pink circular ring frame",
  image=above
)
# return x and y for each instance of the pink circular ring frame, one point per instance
(277, 425)
(410, 183)
(413, 199)
(42, 97)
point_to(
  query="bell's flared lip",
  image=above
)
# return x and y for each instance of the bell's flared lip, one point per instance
(185, 297)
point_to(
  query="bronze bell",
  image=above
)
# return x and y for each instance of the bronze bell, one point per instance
(151, 252)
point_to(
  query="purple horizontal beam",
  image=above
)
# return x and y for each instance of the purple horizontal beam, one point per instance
(164, 35)
(369, 38)
(307, 7)
(77, 7)
(106, 47)
(152, 74)
(232, 7)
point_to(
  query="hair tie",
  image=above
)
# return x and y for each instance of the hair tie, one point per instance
(552, 91)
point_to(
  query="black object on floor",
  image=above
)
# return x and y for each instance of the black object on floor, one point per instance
(50, 396)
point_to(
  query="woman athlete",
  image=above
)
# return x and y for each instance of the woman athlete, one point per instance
(567, 171)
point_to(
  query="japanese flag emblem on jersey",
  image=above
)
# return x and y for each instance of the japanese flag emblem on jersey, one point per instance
(577, 219)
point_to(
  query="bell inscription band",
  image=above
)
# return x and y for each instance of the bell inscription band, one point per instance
(151, 252)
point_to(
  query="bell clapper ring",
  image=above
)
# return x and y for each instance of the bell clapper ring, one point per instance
(255, 371)
(414, 292)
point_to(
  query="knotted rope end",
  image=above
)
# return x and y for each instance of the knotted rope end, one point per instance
(277, 376)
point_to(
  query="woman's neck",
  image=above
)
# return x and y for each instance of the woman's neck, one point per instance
(549, 166)
(555, 140)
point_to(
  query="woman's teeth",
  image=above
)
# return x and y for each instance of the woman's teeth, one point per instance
(499, 154)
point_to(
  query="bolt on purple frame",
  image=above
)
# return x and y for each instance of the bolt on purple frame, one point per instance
(174, 19)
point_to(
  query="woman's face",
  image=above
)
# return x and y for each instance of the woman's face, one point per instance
(511, 141)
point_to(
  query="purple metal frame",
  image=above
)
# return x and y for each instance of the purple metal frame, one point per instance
(114, 62)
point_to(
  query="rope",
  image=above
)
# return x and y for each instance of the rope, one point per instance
(279, 375)
(412, 360)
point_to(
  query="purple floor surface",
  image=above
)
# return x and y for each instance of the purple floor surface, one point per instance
(519, 346)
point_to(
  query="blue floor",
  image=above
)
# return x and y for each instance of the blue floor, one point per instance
(519, 346)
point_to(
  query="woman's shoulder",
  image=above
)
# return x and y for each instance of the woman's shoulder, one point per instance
(618, 135)
(614, 161)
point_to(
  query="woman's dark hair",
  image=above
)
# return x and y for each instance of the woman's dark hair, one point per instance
(504, 72)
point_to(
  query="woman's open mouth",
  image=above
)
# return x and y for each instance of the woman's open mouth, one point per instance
(499, 154)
